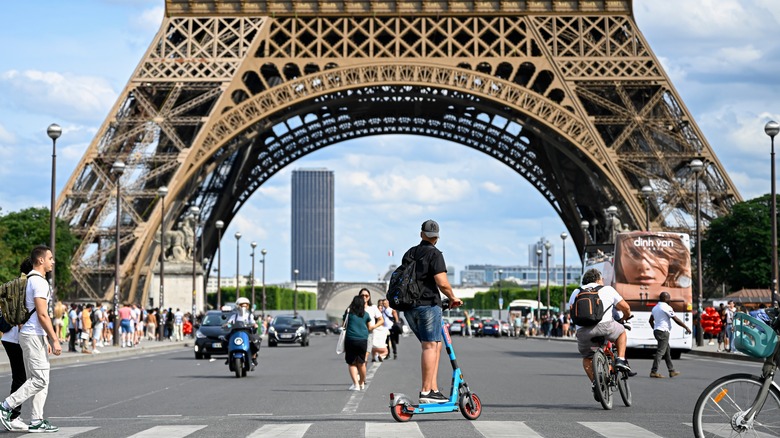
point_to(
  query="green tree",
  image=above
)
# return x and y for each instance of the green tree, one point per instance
(21, 231)
(737, 248)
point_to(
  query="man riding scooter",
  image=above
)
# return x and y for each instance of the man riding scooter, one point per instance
(243, 314)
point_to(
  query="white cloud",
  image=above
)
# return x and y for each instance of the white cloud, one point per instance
(149, 19)
(80, 97)
(491, 187)
(6, 137)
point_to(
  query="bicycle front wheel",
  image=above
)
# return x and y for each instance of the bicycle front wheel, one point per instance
(719, 409)
(601, 375)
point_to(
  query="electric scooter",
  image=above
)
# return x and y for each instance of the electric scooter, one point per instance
(461, 397)
(239, 357)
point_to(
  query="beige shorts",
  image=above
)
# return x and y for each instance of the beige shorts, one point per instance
(611, 330)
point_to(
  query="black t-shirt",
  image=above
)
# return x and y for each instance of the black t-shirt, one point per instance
(430, 262)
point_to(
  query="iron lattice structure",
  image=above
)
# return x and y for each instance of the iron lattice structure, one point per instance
(565, 92)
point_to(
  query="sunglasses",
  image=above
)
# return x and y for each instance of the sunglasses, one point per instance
(364, 296)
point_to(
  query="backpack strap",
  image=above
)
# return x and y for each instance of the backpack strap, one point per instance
(32, 274)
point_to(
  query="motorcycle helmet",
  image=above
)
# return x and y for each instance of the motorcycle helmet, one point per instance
(242, 300)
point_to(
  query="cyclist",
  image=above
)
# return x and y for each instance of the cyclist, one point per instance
(608, 327)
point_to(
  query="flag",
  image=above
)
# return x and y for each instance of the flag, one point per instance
(390, 253)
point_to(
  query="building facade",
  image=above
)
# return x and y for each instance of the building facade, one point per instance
(313, 225)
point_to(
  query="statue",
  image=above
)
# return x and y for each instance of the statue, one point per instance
(177, 244)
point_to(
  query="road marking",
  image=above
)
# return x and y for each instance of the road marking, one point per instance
(71, 418)
(159, 416)
(724, 430)
(619, 430)
(393, 430)
(281, 431)
(66, 432)
(168, 431)
(496, 429)
(250, 415)
(357, 396)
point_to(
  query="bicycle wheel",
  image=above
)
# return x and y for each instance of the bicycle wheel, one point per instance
(601, 374)
(625, 390)
(719, 409)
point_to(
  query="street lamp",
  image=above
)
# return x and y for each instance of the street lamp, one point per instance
(219, 225)
(538, 284)
(295, 294)
(547, 246)
(205, 264)
(611, 214)
(263, 252)
(646, 192)
(584, 225)
(564, 235)
(54, 132)
(238, 283)
(500, 298)
(696, 166)
(161, 192)
(253, 245)
(195, 212)
(595, 223)
(771, 129)
(118, 168)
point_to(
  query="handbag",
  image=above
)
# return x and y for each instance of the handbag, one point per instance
(342, 335)
(379, 340)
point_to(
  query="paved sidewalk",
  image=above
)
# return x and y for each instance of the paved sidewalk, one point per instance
(107, 352)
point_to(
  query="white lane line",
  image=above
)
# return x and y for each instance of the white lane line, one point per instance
(71, 418)
(281, 431)
(499, 429)
(357, 396)
(250, 415)
(393, 430)
(160, 416)
(619, 430)
(179, 431)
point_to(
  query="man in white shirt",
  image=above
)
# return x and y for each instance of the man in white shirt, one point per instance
(35, 349)
(661, 321)
(607, 327)
(178, 324)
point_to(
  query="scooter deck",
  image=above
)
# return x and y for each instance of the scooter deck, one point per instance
(433, 408)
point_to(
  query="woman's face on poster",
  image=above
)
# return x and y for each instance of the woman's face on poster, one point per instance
(645, 267)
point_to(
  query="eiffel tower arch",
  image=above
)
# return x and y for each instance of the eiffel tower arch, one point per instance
(565, 92)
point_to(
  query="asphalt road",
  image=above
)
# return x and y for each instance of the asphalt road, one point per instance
(529, 388)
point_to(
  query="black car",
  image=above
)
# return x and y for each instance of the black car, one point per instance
(288, 329)
(323, 326)
(207, 340)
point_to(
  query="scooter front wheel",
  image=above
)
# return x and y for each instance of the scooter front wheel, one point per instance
(470, 407)
(237, 366)
(400, 414)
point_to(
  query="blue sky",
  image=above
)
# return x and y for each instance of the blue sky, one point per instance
(66, 62)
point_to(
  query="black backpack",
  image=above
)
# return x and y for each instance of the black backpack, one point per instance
(403, 290)
(93, 317)
(588, 309)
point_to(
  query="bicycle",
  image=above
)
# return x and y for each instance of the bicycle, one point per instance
(731, 405)
(608, 375)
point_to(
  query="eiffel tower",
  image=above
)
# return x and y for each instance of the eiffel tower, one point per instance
(565, 92)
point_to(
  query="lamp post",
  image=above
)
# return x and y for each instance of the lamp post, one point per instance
(161, 192)
(205, 264)
(238, 283)
(564, 235)
(295, 293)
(263, 252)
(771, 129)
(611, 214)
(646, 192)
(118, 168)
(595, 223)
(253, 245)
(538, 284)
(54, 132)
(219, 225)
(195, 212)
(547, 246)
(584, 225)
(500, 298)
(696, 166)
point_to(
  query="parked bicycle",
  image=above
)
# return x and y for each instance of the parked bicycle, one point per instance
(742, 405)
(607, 375)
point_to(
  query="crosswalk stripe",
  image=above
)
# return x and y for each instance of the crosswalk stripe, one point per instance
(67, 432)
(393, 430)
(619, 430)
(168, 431)
(725, 430)
(498, 429)
(288, 430)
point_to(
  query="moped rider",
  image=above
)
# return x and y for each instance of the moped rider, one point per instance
(242, 314)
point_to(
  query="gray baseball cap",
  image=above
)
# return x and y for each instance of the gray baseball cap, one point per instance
(430, 228)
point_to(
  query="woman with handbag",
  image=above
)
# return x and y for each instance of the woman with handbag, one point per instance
(357, 324)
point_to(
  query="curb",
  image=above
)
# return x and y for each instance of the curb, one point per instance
(74, 358)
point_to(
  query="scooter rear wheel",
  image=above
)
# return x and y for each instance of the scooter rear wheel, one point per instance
(399, 414)
(470, 407)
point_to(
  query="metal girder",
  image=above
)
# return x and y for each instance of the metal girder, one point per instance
(565, 92)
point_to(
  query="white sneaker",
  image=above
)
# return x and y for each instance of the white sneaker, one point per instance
(354, 387)
(17, 425)
(95, 351)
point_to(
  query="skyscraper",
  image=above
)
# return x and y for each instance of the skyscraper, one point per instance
(312, 224)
